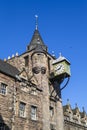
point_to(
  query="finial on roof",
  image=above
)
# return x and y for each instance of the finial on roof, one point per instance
(9, 57)
(53, 53)
(68, 102)
(76, 105)
(4, 59)
(83, 109)
(36, 16)
(16, 53)
(60, 55)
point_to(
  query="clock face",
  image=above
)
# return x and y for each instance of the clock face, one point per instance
(59, 68)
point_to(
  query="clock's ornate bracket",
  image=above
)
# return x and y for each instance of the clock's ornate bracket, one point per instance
(58, 86)
(59, 77)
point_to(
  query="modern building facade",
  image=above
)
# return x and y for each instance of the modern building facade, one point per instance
(29, 99)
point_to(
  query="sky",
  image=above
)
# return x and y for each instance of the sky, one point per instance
(63, 27)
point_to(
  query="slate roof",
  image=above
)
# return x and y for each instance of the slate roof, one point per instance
(37, 43)
(8, 69)
(59, 59)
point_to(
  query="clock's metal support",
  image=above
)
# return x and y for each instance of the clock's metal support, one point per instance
(65, 84)
(61, 88)
(58, 88)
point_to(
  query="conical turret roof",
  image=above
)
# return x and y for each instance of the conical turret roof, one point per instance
(37, 42)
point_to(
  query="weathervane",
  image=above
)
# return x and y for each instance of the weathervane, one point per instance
(36, 16)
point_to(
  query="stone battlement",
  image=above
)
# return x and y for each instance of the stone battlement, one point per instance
(75, 115)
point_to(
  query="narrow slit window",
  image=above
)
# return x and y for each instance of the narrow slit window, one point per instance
(26, 60)
(51, 111)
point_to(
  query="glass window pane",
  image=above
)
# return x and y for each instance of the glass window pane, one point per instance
(22, 109)
(33, 112)
(3, 88)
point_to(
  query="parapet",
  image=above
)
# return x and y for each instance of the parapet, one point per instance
(75, 115)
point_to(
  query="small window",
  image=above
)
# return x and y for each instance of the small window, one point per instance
(3, 88)
(51, 111)
(52, 127)
(33, 112)
(26, 60)
(34, 91)
(22, 109)
(2, 126)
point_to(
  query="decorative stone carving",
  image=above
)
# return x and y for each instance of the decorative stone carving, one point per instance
(43, 70)
(36, 70)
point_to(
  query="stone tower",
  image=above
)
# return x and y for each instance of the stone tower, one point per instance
(37, 100)
(41, 66)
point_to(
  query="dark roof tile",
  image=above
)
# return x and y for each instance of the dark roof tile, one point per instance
(8, 69)
(37, 42)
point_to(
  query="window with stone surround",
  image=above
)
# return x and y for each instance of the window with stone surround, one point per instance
(2, 126)
(51, 109)
(22, 106)
(52, 127)
(33, 91)
(33, 112)
(3, 88)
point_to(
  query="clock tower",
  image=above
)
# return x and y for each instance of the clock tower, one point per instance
(49, 74)
(39, 83)
(42, 63)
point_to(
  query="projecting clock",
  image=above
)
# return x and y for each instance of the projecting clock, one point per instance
(59, 68)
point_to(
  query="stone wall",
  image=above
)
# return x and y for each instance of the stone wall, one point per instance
(7, 100)
(38, 68)
(35, 89)
(74, 119)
